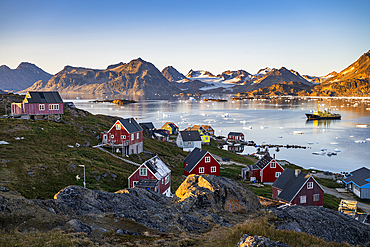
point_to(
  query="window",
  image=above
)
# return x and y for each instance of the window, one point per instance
(137, 135)
(143, 171)
(316, 197)
(134, 183)
(118, 127)
(277, 174)
(167, 179)
(302, 199)
(213, 169)
(112, 136)
(201, 169)
(132, 137)
(123, 137)
(189, 143)
(41, 107)
(273, 165)
(53, 107)
(310, 185)
(208, 159)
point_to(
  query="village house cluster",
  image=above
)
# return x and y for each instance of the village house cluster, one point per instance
(126, 135)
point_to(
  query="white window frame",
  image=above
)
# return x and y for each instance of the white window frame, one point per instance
(112, 136)
(137, 135)
(123, 137)
(132, 137)
(302, 199)
(213, 169)
(273, 165)
(42, 107)
(316, 197)
(143, 171)
(167, 179)
(207, 159)
(310, 185)
(134, 183)
(277, 174)
(201, 169)
(118, 127)
(53, 107)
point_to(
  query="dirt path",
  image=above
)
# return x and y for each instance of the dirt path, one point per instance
(347, 196)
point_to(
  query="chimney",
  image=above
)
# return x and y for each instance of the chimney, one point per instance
(297, 172)
(129, 120)
(273, 156)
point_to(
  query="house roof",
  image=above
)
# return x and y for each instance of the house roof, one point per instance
(207, 127)
(235, 133)
(190, 135)
(172, 125)
(157, 167)
(44, 97)
(264, 161)
(147, 183)
(130, 125)
(160, 132)
(289, 184)
(193, 158)
(149, 125)
(359, 177)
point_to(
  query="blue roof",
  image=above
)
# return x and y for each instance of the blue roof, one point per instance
(360, 177)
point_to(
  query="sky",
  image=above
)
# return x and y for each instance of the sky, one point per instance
(311, 37)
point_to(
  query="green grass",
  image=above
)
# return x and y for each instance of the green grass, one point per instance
(265, 191)
(328, 183)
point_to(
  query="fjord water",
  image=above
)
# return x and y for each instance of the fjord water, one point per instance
(267, 121)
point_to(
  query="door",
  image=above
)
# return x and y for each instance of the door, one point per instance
(105, 138)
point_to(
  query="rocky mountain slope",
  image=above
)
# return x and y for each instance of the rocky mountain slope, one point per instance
(137, 77)
(172, 74)
(22, 77)
(352, 81)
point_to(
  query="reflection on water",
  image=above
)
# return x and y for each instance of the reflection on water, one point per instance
(269, 121)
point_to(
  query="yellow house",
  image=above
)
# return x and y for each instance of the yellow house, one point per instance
(203, 133)
(171, 127)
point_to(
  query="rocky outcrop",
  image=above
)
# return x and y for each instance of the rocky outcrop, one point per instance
(215, 194)
(323, 223)
(22, 77)
(259, 241)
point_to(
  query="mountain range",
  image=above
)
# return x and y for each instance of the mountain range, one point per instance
(142, 78)
(22, 77)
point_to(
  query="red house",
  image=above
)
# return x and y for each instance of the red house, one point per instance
(296, 188)
(39, 105)
(266, 170)
(236, 136)
(125, 134)
(201, 162)
(152, 175)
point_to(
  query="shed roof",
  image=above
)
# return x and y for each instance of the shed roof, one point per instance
(235, 133)
(160, 132)
(44, 97)
(147, 183)
(193, 158)
(290, 184)
(190, 135)
(359, 177)
(149, 125)
(130, 125)
(263, 161)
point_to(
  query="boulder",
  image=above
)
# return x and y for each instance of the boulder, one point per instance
(214, 194)
(323, 223)
(259, 241)
(78, 226)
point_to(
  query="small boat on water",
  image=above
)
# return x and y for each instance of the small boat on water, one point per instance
(317, 115)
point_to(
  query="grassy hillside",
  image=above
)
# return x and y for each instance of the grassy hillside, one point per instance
(42, 163)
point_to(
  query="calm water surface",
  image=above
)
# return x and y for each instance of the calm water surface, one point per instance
(275, 121)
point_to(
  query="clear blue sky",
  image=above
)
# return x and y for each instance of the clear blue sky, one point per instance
(312, 37)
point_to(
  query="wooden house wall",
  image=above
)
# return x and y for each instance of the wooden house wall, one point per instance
(365, 193)
(207, 167)
(268, 173)
(309, 195)
(136, 176)
(127, 140)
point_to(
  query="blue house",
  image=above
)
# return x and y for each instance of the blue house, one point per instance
(358, 182)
